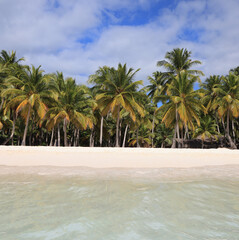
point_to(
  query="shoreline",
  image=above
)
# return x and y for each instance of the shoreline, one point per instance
(96, 157)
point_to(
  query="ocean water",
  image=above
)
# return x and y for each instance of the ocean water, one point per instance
(69, 203)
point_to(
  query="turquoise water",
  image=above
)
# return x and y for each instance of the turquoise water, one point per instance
(119, 205)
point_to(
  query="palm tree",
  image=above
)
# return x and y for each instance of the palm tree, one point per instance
(227, 102)
(207, 129)
(120, 93)
(99, 79)
(209, 86)
(179, 60)
(140, 138)
(164, 136)
(8, 65)
(157, 86)
(72, 105)
(182, 104)
(9, 58)
(31, 90)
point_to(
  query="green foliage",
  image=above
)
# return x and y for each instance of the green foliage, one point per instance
(49, 109)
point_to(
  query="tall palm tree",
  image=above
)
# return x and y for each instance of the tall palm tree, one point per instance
(120, 93)
(31, 90)
(182, 104)
(227, 102)
(179, 60)
(72, 105)
(99, 79)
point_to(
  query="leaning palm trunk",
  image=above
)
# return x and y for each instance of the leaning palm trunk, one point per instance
(125, 133)
(117, 128)
(176, 130)
(13, 129)
(2, 102)
(65, 133)
(232, 144)
(178, 134)
(26, 127)
(101, 130)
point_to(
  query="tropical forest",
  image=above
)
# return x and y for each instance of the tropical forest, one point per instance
(179, 107)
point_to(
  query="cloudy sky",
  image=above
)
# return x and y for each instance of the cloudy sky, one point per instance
(78, 36)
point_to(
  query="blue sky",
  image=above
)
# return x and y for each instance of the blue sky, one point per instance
(78, 36)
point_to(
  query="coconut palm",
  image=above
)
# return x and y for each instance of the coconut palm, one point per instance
(71, 106)
(140, 138)
(209, 86)
(207, 129)
(30, 90)
(227, 102)
(9, 58)
(164, 136)
(99, 79)
(8, 65)
(179, 60)
(120, 93)
(182, 104)
(157, 86)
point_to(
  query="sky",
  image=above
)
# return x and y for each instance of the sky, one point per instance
(79, 36)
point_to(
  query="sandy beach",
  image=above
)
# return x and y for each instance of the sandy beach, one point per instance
(116, 157)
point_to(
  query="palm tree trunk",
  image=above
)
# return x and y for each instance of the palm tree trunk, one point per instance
(26, 126)
(218, 129)
(120, 127)
(232, 144)
(182, 137)
(59, 135)
(13, 129)
(52, 136)
(101, 130)
(117, 128)
(65, 133)
(162, 144)
(92, 137)
(177, 135)
(137, 138)
(223, 124)
(125, 133)
(152, 141)
(174, 137)
(2, 102)
(233, 131)
(77, 138)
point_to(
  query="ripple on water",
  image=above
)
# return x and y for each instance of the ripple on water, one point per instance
(83, 203)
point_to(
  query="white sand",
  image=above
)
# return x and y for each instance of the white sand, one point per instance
(116, 157)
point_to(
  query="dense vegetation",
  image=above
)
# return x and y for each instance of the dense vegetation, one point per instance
(51, 110)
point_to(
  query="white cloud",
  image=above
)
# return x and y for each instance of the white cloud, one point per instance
(47, 33)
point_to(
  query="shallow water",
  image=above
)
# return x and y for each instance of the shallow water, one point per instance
(69, 203)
